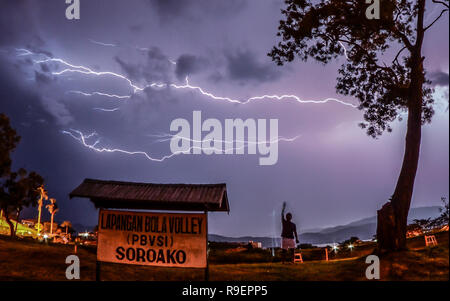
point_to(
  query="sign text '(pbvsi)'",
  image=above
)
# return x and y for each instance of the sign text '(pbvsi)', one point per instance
(153, 224)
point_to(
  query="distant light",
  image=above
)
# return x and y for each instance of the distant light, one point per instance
(45, 236)
(350, 246)
(335, 247)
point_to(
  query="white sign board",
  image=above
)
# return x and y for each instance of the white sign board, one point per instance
(155, 239)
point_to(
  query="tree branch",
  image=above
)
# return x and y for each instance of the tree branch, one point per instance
(440, 2)
(435, 20)
(385, 68)
(398, 53)
(404, 38)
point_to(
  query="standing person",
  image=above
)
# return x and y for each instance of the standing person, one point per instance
(287, 234)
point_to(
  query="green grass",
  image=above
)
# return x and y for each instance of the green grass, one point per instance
(26, 259)
(22, 230)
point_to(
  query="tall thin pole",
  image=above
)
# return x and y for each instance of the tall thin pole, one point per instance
(43, 195)
(39, 216)
(51, 224)
(207, 264)
(97, 262)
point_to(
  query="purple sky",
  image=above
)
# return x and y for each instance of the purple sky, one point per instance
(333, 174)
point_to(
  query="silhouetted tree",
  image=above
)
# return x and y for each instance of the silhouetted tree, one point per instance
(383, 70)
(423, 223)
(67, 225)
(52, 209)
(442, 220)
(8, 142)
(17, 189)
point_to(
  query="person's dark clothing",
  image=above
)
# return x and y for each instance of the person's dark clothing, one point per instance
(289, 229)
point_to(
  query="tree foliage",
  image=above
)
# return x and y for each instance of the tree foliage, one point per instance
(8, 142)
(442, 219)
(17, 189)
(379, 53)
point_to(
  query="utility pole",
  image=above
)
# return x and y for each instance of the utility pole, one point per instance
(43, 196)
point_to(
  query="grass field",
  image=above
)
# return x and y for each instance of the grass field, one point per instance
(21, 229)
(29, 260)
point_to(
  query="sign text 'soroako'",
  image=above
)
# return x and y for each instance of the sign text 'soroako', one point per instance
(157, 239)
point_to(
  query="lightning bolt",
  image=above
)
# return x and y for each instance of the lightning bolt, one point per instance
(248, 100)
(79, 136)
(102, 44)
(100, 94)
(345, 49)
(23, 52)
(168, 137)
(84, 139)
(87, 71)
(106, 110)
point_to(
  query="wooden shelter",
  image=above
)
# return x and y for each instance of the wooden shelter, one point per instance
(150, 196)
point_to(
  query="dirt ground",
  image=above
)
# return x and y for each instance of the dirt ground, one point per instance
(30, 260)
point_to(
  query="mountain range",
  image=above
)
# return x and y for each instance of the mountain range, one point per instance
(364, 229)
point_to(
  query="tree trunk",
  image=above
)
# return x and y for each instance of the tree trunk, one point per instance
(51, 225)
(393, 216)
(10, 224)
(17, 221)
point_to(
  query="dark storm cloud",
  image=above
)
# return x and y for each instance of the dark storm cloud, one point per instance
(244, 66)
(188, 64)
(57, 109)
(130, 69)
(41, 78)
(170, 10)
(45, 68)
(41, 143)
(439, 78)
(38, 50)
(157, 67)
(20, 104)
(18, 24)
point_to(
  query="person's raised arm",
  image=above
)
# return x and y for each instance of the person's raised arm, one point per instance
(282, 211)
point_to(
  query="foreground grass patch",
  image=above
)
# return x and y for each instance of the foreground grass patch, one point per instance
(30, 260)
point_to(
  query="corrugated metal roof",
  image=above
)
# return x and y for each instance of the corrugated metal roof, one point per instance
(130, 195)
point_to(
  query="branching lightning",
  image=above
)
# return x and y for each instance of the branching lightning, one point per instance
(82, 138)
(87, 71)
(23, 52)
(345, 49)
(106, 110)
(86, 140)
(248, 100)
(102, 44)
(168, 137)
(100, 94)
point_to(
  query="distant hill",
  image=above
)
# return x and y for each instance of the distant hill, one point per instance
(364, 228)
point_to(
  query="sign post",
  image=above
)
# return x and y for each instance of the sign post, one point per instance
(166, 238)
(207, 265)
